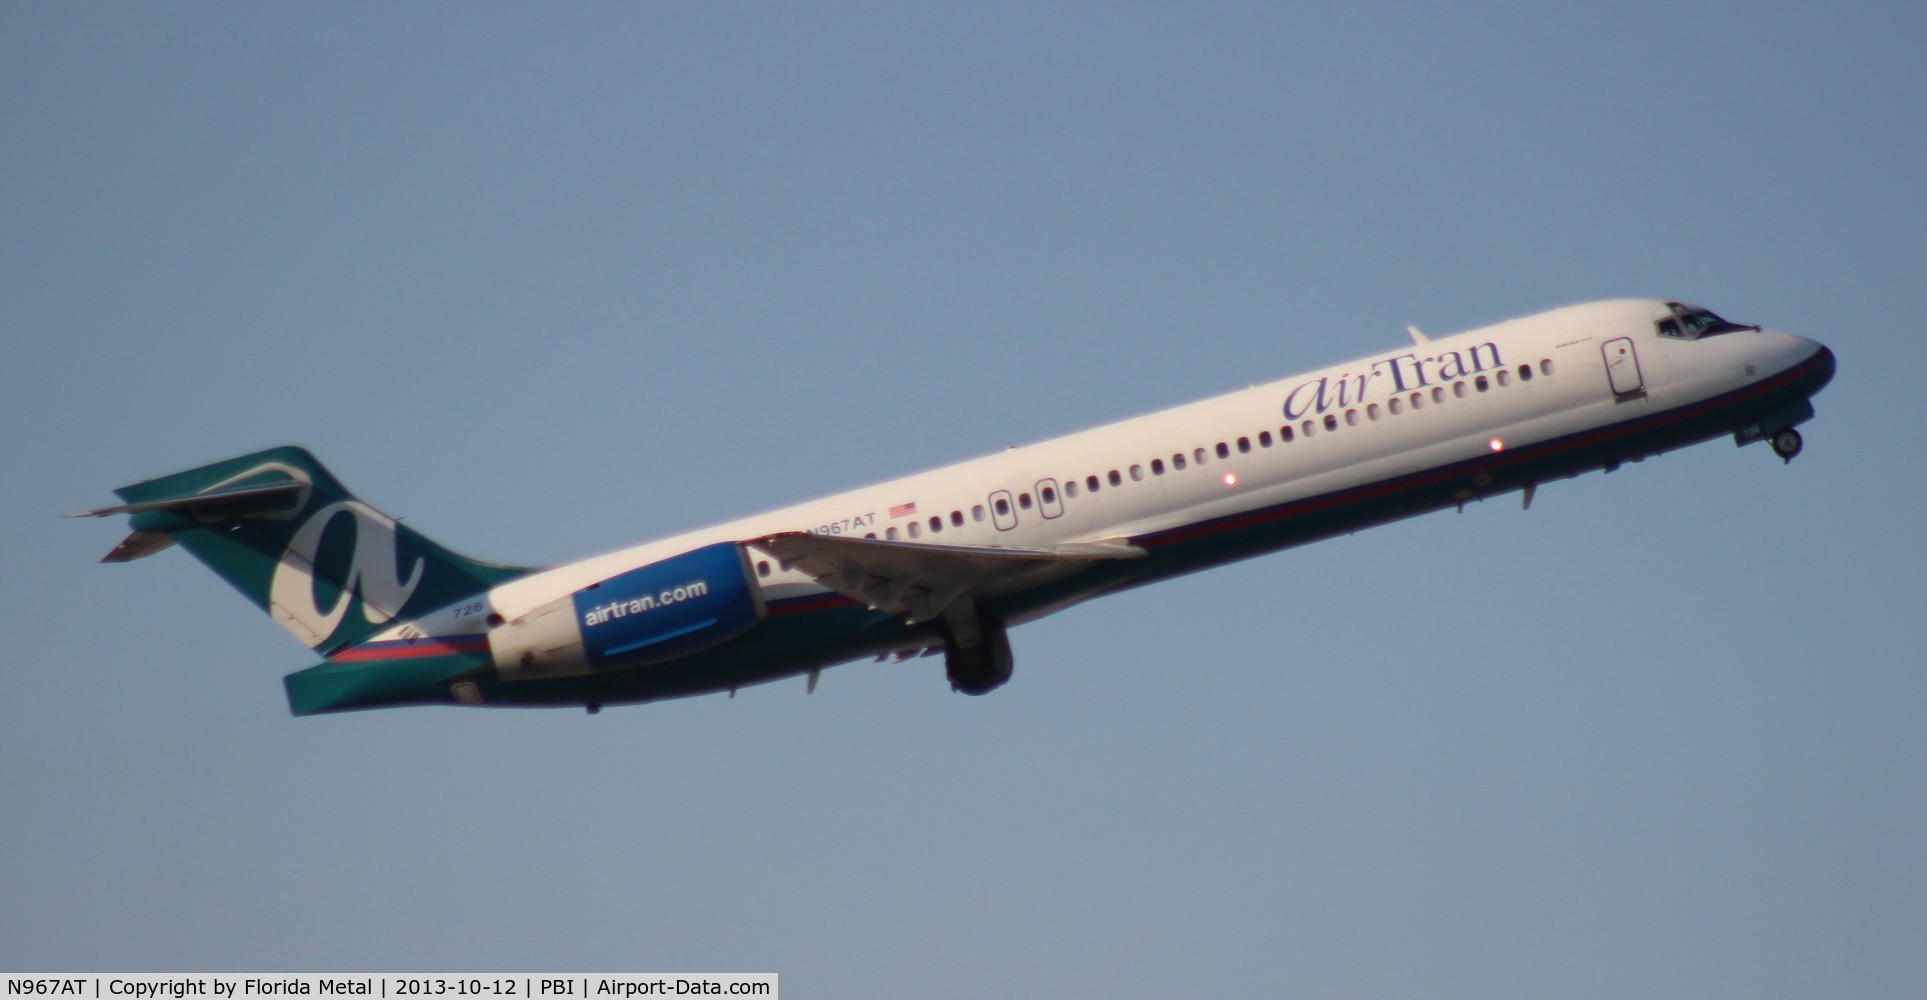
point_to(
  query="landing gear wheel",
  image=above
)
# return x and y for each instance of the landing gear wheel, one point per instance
(981, 668)
(972, 672)
(1787, 444)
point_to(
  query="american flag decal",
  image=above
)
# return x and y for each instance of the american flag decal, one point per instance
(903, 510)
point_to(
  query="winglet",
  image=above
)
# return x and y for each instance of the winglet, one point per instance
(1418, 337)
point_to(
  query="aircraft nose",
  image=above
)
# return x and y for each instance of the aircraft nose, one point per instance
(1823, 365)
(1789, 359)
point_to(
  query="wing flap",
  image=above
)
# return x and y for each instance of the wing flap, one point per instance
(917, 581)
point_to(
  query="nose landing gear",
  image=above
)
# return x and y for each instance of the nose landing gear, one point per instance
(1786, 444)
(1776, 428)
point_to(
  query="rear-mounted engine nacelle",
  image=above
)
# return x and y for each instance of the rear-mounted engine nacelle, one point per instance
(657, 612)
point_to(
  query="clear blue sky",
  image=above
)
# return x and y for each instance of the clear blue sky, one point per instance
(548, 280)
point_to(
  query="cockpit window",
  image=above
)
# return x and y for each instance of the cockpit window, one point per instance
(1690, 322)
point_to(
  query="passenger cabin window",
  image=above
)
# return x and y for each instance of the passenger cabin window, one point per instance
(1244, 446)
(1198, 455)
(1264, 439)
(956, 519)
(1137, 473)
(1003, 506)
(1115, 478)
(1157, 467)
(977, 512)
(1285, 433)
(1224, 450)
(1023, 500)
(1177, 461)
(1091, 482)
(1047, 501)
(1331, 421)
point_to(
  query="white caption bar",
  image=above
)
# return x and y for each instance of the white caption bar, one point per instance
(445, 986)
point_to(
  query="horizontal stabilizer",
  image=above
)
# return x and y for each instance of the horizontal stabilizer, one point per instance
(138, 545)
(275, 524)
(231, 501)
(281, 495)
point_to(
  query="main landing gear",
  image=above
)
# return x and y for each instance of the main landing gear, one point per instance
(1786, 444)
(976, 651)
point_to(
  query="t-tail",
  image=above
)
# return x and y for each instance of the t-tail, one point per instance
(277, 526)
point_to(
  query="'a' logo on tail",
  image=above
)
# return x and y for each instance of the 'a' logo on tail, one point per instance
(373, 572)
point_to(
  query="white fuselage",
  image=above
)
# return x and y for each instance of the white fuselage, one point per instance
(945, 561)
(1391, 417)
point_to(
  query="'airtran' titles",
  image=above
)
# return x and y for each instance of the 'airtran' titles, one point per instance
(1407, 371)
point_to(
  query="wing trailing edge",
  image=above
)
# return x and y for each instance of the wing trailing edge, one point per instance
(918, 581)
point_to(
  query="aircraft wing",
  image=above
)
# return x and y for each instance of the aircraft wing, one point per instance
(918, 581)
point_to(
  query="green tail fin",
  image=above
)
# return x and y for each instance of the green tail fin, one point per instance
(283, 531)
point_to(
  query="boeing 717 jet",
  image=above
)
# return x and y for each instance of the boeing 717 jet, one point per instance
(944, 562)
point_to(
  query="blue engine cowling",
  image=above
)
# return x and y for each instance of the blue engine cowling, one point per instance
(669, 608)
(650, 614)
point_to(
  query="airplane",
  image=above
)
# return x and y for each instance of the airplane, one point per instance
(944, 562)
